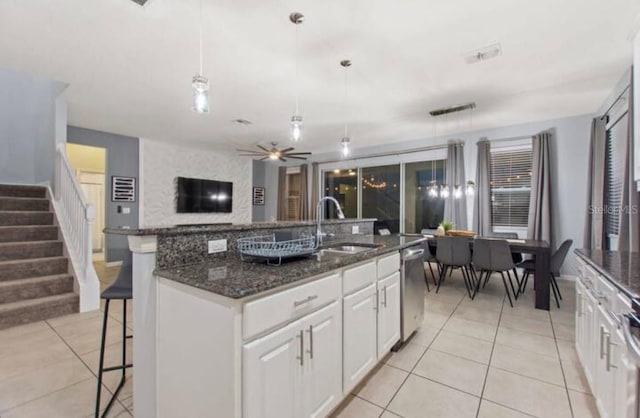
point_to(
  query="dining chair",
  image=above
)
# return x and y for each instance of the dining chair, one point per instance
(555, 264)
(429, 258)
(517, 257)
(493, 256)
(455, 253)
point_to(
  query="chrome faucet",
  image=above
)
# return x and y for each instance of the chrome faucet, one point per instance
(319, 233)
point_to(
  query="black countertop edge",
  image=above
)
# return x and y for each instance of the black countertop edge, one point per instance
(237, 279)
(621, 268)
(200, 228)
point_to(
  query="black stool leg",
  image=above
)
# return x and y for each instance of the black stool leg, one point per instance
(101, 361)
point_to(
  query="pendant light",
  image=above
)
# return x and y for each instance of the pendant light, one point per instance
(346, 141)
(433, 184)
(296, 120)
(200, 83)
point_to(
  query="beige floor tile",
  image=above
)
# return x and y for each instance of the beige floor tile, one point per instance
(568, 351)
(22, 331)
(575, 377)
(382, 385)
(473, 313)
(563, 317)
(34, 358)
(26, 387)
(434, 320)
(419, 398)
(463, 346)
(425, 335)
(85, 336)
(527, 341)
(584, 405)
(113, 357)
(564, 331)
(465, 375)
(529, 325)
(471, 328)
(388, 414)
(31, 341)
(526, 308)
(355, 407)
(529, 364)
(492, 410)
(484, 301)
(74, 318)
(526, 394)
(74, 401)
(442, 308)
(407, 357)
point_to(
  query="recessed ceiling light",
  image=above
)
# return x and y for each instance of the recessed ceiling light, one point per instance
(241, 121)
(483, 54)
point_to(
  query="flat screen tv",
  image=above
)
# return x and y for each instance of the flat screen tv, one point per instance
(199, 196)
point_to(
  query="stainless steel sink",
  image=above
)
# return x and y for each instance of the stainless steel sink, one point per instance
(349, 248)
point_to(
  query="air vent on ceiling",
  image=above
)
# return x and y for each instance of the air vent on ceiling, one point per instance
(483, 54)
(453, 109)
(140, 2)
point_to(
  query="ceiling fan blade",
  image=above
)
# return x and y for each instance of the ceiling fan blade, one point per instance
(248, 150)
(298, 153)
(263, 148)
(284, 151)
(264, 158)
(296, 158)
(252, 155)
(282, 159)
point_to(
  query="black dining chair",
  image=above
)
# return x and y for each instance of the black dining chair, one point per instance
(517, 257)
(494, 256)
(427, 259)
(455, 253)
(557, 260)
(121, 289)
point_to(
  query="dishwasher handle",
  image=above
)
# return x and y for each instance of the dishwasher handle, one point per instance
(412, 254)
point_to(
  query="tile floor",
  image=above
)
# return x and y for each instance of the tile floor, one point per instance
(481, 358)
(477, 358)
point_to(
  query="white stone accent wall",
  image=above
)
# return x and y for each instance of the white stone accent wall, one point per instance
(161, 163)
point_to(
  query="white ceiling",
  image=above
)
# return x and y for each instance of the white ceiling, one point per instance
(129, 68)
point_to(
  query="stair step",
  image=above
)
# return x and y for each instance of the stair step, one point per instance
(24, 203)
(28, 233)
(35, 287)
(22, 191)
(33, 267)
(29, 249)
(12, 218)
(26, 311)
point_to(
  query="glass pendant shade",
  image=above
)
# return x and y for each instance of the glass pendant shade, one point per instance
(457, 192)
(296, 128)
(445, 192)
(200, 87)
(345, 146)
(433, 189)
(470, 189)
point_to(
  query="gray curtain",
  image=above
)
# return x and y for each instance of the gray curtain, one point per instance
(315, 189)
(539, 224)
(482, 202)
(594, 234)
(455, 210)
(304, 192)
(282, 193)
(628, 239)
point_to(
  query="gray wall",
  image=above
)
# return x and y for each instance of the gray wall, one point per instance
(569, 155)
(122, 160)
(265, 174)
(28, 127)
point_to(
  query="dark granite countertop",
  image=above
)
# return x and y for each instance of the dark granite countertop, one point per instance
(622, 268)
(200, 228)
(237, 279)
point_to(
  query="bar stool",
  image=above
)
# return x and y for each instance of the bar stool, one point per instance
(121, 289)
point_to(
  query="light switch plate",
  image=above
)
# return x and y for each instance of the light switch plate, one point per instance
(355, 229)
(217, 246)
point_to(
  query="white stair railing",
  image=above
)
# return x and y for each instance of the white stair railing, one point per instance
(76, 216)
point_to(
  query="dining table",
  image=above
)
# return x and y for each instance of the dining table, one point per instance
(539, 249)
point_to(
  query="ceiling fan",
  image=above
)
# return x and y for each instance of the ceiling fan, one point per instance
(274, 153)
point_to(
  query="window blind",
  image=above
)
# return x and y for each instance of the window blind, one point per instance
(615, 168)
(510, 186)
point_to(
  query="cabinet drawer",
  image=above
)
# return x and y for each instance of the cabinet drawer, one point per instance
(359, 277)
(388, 265)
(270, 311)
(607, 292)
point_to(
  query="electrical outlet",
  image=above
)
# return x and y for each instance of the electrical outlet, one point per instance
(355, 229)
(217, 246)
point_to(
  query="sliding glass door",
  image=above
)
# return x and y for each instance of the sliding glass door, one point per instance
(343, 186)
(422, 210)
(381, 195)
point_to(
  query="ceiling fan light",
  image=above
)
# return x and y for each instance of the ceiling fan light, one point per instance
(200, 86)
(296, 128)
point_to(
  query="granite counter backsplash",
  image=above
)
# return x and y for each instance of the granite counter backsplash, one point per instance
(233, 278)
(622, 268)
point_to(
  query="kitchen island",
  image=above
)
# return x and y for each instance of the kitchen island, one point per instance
(218, 337)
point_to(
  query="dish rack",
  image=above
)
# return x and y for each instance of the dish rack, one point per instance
(265, 247)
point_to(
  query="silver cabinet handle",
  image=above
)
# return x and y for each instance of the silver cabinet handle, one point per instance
(384, 292)
(375, 305)
(310, 350)
(602, 334)
(303, 301)
(609, 344)
(301, 357)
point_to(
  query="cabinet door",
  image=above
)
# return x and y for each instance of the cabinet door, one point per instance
(626, 380)
(388, 313)
(272, 372)
(359, 335)
(322, 381)
(580, 319)
(605, 376)
(590, 336)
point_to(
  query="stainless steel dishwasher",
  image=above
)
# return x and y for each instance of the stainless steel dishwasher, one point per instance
(412, 290)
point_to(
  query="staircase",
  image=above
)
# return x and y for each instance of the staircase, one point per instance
(35, 283)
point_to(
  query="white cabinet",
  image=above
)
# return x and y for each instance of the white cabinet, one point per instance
(295, 371)
(360, 335)
(388, 313)
(605, 389)
(625, 380)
